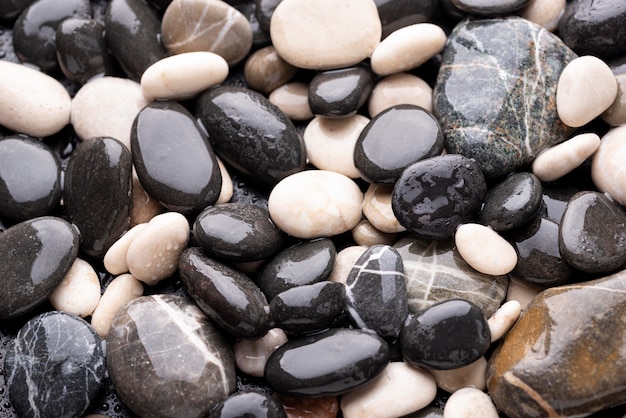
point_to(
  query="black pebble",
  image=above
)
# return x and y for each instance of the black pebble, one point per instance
(337, 93)
(249, 404)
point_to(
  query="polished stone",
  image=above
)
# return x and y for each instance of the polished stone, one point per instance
(398, 89)
(249, 404)
(339, 93)
(608, 170)
(79, 291)
(265, 70)
(396, 14)
(559, 160)
(484, 249)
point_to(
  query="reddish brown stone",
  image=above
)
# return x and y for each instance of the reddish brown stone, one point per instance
(323, 407)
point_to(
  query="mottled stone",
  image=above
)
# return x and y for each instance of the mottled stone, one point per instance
(252, 354)
(339, 93)
(293, 100)
(489, 7)
(608, 170)
(396, 89)
(396, 14)
(559, 160)
(79, 291)
(484, 249)
(249, 403)
(265, 70)
(120, 291)
(468, 402)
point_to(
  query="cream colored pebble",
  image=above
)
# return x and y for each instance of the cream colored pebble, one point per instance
(293, 99)
(555, 162)
(470, 403)
(377, 209)
(144, 206)
(484, 249)
(121, 290)
(251, 355)
(615, 115)
(473, 375)
(398, 89)
(227, 190)
(344, 261)
(115, 257)
(79, 291)
(367, 235)
(522, 291)
(608, 169)
(503, 319)
(546, 13)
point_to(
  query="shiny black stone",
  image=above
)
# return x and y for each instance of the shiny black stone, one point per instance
(555, 198)
(10, 9)
(446, 336)
(393, 140)
(489, 7)
(175, 162)
(395, 14)
(337, 93)
(98, 193)
(434, 196)
(249, 404)
(264, 11)
(30, 178)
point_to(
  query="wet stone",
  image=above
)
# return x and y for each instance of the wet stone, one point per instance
(396, 14)
(559, 160)
(337, 93)
(489, 7)
(251, 354)
(249, 404)
(293, 100)
(265, 70)
(484, 249)
(470, 401)
(54, 347)
(79, 291)
(264, 11)
(322, 407)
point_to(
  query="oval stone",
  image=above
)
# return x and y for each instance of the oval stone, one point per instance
(329, 363)
(378, 211)
(470, 401)
(397, 89)
(396, 14)
(338, 93)
(483, 249)
(608, 170)
(79, 291)
(249, 404)
(293, 100)
(265, 70)
(120, 291)
(559, 160)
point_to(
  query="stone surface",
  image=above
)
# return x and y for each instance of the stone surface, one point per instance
(559, 160)
(470, 402)
(344, 261)
(121, 290)
(378, 210)
(480, 117)
(607, 166)
(144, 206)
(401, 88)
(484, 249)
(489, 7)
(396, 14)
(249, 403)
(79, 291)
(166, 358)
(565, 354)
(322, 407)
(522, 292)
(615, 115)
(340, 93)
(55, 367)
(546, 13)
(293, 100)
(265, 70)
(252, 354)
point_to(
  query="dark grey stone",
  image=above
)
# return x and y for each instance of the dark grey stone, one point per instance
(260, 36)
(489, 7)
(396, 14)
(10, 9)
(252, 404)
(264, 11)
(338, 93)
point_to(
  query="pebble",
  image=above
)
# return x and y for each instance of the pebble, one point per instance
(395, 139)
(166, 358)
(484, 249)
(115, 258)
(407, 48)
(227, 190)
(183, 76)
(522, 292)
(144, 206)
(330, 143)
(586, 88)
(396, 14)
(546, 13)
(214, 26)
(473, 375)
(351, 32)
(344, 261)
(32, 102)
(326, 364)
(265, 11)
(79, 291)
(249, 403)
(331, 206)
(265, 70)
(378, 210)
(153, 254)
(320, 407)
(503, 319)
(164, 138)
(293, 100)
(251, 354)
(366, 235)
(120, 291)
(615, 115)
(401, 88)
(36, 254)
(555, 162)
(340, 93)
(30, 178)
(470, 403)
(607, 165)
(400, 389)
(97, 193)
(107, 107)
(489, 7)
(55, 367)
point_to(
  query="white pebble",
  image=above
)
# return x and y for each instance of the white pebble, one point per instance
(555, 162)
(344, 261)
(398, 89)
(251, 355)
(293, 99)
(365, 234)
(397, 391)
(183, 76)
(615, 115)
(473, 375)
(586, 88)
(145, 207)
(121, 290)
(79, 291)
(226, 192)
(608, 166)
(315, 203)
(115, 257)
(32, 102)
(503, 319)
(377, 209)
(522, 291)
(546, 13)
(484, 249)
(470, 403)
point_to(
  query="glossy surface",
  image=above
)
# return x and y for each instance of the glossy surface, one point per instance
(249, 404)
(489, 7)
(337, 93)
(395, 14)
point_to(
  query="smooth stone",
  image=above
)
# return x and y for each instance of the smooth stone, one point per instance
(435, 195)
(319, 407)
(495, 128)
(503, 319)
(153, 254)
(400, 389)
(32, 102)
(54, 347)
(326, 364)
(378, 211)
(37, 255)
(395, 139)
(586, 88)
(376, 294)
(407, 48)
(30, 178)
(331, 206)
(468, 403)
(344, 261)
(484, 249)
(200, 25)
(227, 190)
(522, 292)
(133, 35)
(174, 160)
(115, 258)
(555, 162)
(81, 49)
(308, 308)
(249, 404)
(436, 272)
(570, 338)
(512, 202)
(250, 134)
(293, 100)
(183, 76)
(330, 143)
(397, 89)
(227, 296)
(365, 234)
(473, 375)
(34, 31)
(107, 106)
(352, 30)
(489, 7)
(265, 70)
(607, 165)
(79, 291)
(592, 233)
(396, 14)
(615, 115)
(238, 232)
(448, 335)
(430, 411)
(340, 93)
(145, 207)
(546, 13)
(555, 198)
(251, 354)
(120, 291)
(166, 358)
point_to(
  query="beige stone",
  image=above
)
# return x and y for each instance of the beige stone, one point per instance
(615, 115)
(503, 319)
(608, 167)
(145, 207)
(365, 234)
(79, 291)
(293, 99)
(470, 403)
(251, 355)
(115, 257)
(377, 209)
(398, 89)
(121, 290)
(473, 375)
(555, 162)
(227, 190)
(546, 13)
(344, 261)
(484, 249)
(265, 70)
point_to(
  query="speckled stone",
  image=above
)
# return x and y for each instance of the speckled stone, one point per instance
(480, 117)
(338, 93)
(249, 403)
(265, 70)
(489, 7)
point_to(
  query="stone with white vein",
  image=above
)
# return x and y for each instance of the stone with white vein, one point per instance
(555, 162)
(121, 290)
(79, 292)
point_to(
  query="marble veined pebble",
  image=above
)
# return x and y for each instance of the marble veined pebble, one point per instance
(115, 257)
(377, 209)
(555, 162)
(182, 76)
(473, 375)
(252, 354)
(121, 290)
(351, 31)
(397, 391)
(407, 48)
(293, 99)
(330, 206)
(401, 88)
(484, 249)
(470, 403)
(153, 254)
(79, 291)
(608, 170)
(344, 261)
(546, 13)
(586, 88)
(503, 319)
(32, 102)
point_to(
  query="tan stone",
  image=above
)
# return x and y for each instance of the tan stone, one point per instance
(377, 209)
(121, 290)
(615, 115)
(555, 162)
(265, 70)
(366, 234)
(115, 257)
(398, 89)
(470, 403)
(608, 169)
(79, 291)
(145, 207)
(293, 100)
(344, 261)
(251, 355)
(227, 190)
(546, 13)
(473, 375)
(522, 291)
(484, 249)
(503, 319)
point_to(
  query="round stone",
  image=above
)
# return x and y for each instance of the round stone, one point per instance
(397, 89)
(293, 100)
(344, 261)
(608, 170)
(396, 14)
(340, 93)
(79, 291)
(545, 13)
(378, 211)
(265, 70)
(468, 402)
(559, 160)
(249, 404)
(483, 249)
(366, 235)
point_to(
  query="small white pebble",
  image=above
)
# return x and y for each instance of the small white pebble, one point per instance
(344, 261)
(503, 319)
(293, 100)
(251, 355)
(608, 169)
(365, 234)
(473, 375)
(615, 115)
(226, 192)
(115, 257)
(555, 162)
(79, 291)
(121, 290)
(484, 249)
(398, 89)
(470, 403)
(377, 209)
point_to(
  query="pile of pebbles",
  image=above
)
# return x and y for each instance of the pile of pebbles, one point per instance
(356, 208)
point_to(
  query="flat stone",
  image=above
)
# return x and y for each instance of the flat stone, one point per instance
(120, 291)
(559, 160)
(251, 354)
(265, 70)
(615, 115)
(340, 93)
(484, 249)
(401, 88)
(293, 100)
(489, 7)
(546, 13)
(378, 210)
(249, 403)
(470, 401)
(607, 166)
(79, 291)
